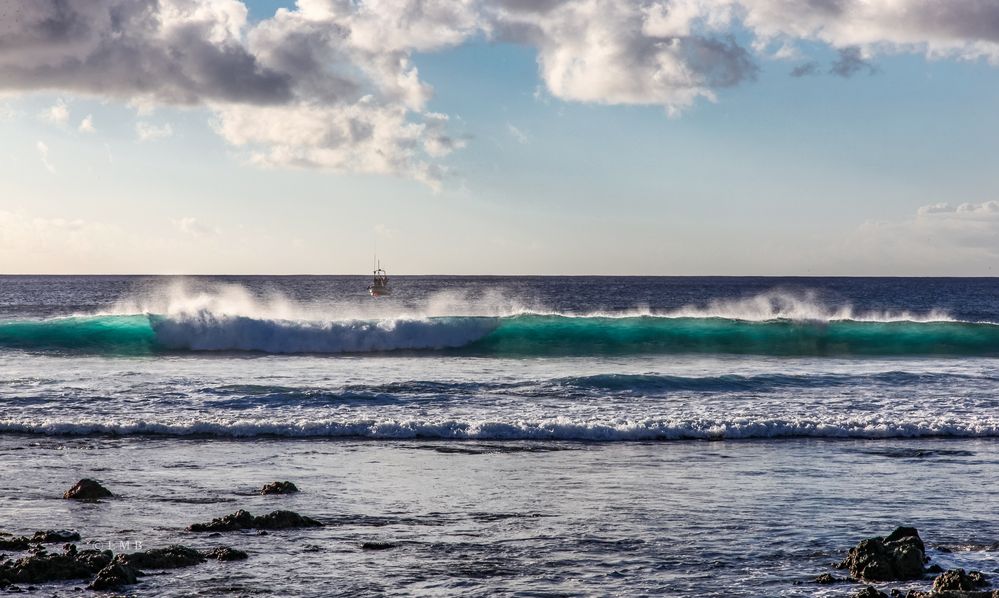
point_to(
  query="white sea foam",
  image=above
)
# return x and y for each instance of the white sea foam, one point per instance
(778, 305)
(181, 300)
(557, 428)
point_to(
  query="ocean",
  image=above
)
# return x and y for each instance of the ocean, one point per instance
(532, 436)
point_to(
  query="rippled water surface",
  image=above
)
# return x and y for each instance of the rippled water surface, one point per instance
(690, 518)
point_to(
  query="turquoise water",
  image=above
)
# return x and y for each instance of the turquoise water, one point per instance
(514, 336)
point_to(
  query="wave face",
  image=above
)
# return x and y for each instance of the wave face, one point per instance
(107, 334)
(524, 335)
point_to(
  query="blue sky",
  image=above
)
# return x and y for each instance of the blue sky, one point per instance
(819, 174)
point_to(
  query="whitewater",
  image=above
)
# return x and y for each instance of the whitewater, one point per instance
(499, 359)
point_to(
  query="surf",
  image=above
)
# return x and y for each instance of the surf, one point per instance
(523, 335)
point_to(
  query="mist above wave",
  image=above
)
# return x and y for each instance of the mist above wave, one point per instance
(182, 301)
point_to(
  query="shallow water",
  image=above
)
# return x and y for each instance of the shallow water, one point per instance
(733, 518)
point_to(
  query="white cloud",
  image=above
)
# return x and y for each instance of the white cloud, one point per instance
(150, 132)
(520, 136)
(57, 114)
(50, 244)
(610, 52)
(87, 125)
(43, 152)
(193, 227)
(940, 239)
(339, 76)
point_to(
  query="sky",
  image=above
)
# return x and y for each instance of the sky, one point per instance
(654, 137)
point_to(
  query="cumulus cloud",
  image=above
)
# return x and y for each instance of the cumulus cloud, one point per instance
(87, 125)
(609, 52)
(150, 132)
(57, 114)
(331, 83)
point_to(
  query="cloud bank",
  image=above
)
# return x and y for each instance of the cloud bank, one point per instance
(941, 238)
(331, 84)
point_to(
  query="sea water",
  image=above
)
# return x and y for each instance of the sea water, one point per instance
(536, 436)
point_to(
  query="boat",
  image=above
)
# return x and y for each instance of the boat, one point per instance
(379, 282)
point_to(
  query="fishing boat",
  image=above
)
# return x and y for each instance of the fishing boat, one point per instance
(379, 282)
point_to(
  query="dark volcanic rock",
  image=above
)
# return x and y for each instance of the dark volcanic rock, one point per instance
(279, 488)
(14, 543)
(239, 520)
(226, 553)
(55, 536)
(9, 542)
(42, 566)
(171, 557)
(957, 579)
(114, 576)
(898, 556)
(377, 545)
(826, 578)
(870, 592)
(87, 489)
(283, 520)
(244, 520)
(909, 534)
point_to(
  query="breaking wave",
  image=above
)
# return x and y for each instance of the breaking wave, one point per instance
(510, 336)
(557, 428)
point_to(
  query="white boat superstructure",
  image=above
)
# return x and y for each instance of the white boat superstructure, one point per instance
(379, 282)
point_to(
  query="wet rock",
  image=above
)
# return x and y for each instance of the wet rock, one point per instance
(171, 557)
(279, 488)
(234, 521)
(284, 520)
(870, 592)
(906, 534)
(87, 489)
(244, 520)
(14, 543)
(377, 546)
(114, 576)
(947, 594)
(958, 579)
(826, 578)
(226, 553)
(42, 566)
(49, 536)
(898, 556)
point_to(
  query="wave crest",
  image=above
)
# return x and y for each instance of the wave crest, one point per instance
(556, 428)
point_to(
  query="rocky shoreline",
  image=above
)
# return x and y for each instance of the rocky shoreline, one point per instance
(29, 561)
(103, 569)
(901, 556)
